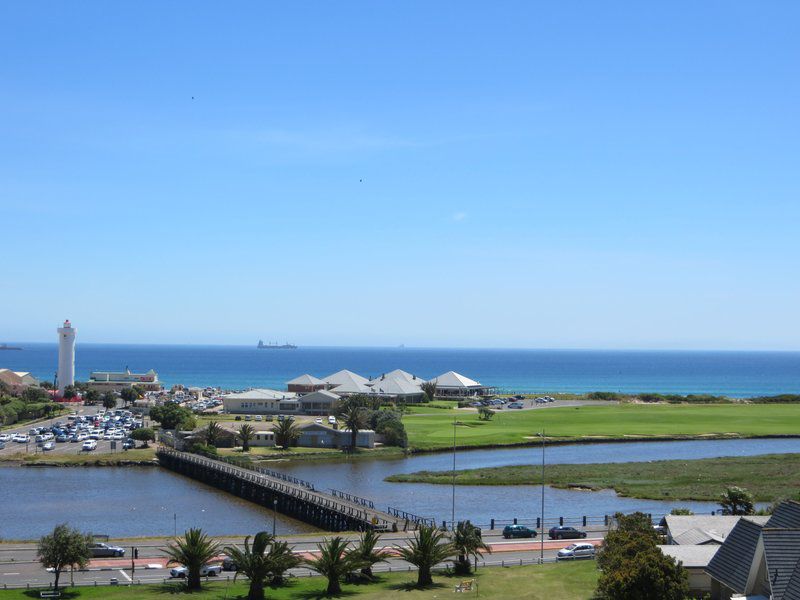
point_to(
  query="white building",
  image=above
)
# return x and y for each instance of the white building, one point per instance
(455, 385)
(345, 377)
(397, 387)
(261, 401)
(263, 438)
(66, 356)
(321, 402)
(115, 381)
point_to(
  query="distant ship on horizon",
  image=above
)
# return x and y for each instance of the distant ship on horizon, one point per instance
(275, 346)
(7, 347)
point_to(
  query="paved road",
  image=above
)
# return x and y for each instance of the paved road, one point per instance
(18, 566)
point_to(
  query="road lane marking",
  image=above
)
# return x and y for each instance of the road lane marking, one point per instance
(125, 575)
(9, 573)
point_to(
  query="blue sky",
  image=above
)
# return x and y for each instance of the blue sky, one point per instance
(515, 174)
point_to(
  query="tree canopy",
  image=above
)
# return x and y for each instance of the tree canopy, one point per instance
(64, 547)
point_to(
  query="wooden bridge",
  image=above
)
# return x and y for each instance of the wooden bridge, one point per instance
(333, 512)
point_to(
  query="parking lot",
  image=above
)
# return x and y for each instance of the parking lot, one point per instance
(67, 433)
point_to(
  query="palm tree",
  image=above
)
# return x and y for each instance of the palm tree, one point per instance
(354, 418)
(246, 433)
(334, 562)
(425, 550)
(467, 543)
(193, 551)
(367, 553)
(253, 562)
(212, 433)
(281, 559)
(286, 433)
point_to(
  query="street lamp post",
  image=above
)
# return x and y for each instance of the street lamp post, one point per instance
(453, 513)
(274, 515)
(541, 532)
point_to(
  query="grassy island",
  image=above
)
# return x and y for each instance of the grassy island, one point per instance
(768, 476)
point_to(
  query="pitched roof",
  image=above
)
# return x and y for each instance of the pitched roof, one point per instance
(352, 387)
(399, 374)
(691, 556)
(697, 536)
(344, 377)
(451, 379)
(716, 526)
(732, 562)
(306, 380)
(785, 516)
(320, 395)
(261, 394)
(782, 553)
(395, 387)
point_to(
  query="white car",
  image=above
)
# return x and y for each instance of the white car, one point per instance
(6, 437)
(48, 446)
(332, 420)
(89, 445)
(118, 435)
(205, 571)
(574, 551)
(22, 438)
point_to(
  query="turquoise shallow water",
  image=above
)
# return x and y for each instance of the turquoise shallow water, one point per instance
(736, 374)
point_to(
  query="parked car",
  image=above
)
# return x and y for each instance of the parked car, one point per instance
(228, 564)
(515, 405)
(575, 551)
(100, 550)
(566, 533)
(128, 445)
(331, 420)
(62, 438)
(47, 446)
(237, 418)
(248, 417)
(518, 531)
(259, 418)
(205, 571)
(2, 445)
(5, 437)
(89, 445)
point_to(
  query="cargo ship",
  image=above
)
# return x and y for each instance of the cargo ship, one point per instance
(7, 347)
(275, 346)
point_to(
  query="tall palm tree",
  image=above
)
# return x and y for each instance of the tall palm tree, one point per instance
(286, 433)
(467, 543)
(253, 562)
(212, 433)
(281, 559)
(245, 434)
(367, 553)
(354, 417)
(334, 562)
(193, 551)
(425, 550)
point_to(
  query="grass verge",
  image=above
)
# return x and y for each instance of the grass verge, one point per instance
(123, 457)
(769, 477)
(574, 581)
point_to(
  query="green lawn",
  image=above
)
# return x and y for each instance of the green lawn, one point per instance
(769, 477)
(84, 458)
(618, 421)
(573, 581)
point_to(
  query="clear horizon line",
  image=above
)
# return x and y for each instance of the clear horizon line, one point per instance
(405, 347)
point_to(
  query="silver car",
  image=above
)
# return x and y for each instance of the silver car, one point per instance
(575, 551)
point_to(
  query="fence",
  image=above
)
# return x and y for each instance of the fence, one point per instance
(352, 498)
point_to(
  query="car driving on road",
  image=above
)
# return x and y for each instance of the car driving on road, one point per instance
(518, 531)
(574, 551)
(100, 550)
(565, 533)
(205, 571)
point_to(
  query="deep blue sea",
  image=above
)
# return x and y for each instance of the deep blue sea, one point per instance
(735, 374)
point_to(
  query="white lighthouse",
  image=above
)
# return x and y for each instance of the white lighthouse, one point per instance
(66, 356)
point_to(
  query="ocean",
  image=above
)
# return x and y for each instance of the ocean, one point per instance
(734, 374)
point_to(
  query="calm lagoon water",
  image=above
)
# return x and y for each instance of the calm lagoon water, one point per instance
(142, 501)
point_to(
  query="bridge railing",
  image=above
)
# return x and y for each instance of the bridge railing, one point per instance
(302, 493)
(407, 516)
(352, 498)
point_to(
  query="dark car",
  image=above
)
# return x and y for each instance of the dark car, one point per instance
(518, 531)
(229, 565)
(128, 444)
(103, 550)
(565, 533)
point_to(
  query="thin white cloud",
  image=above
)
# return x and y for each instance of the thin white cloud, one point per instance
(459, 216)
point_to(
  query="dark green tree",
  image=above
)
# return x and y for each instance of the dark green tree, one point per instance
(33, 394)
(109, 401)
(64, 547)
(143, 434)
(212, 433)
(425, 550)
(193, 551)
(245, 435)
(681, 511)
(367, 553)
(286, 433)
(281, 560)
(69, 392)
(334, 562)
(429, 387)
(468, 544)
(736, 501)
(170, 415)
(91, 397)
(485, 413)
(129, 395)
(253, 562)
(354, 417)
